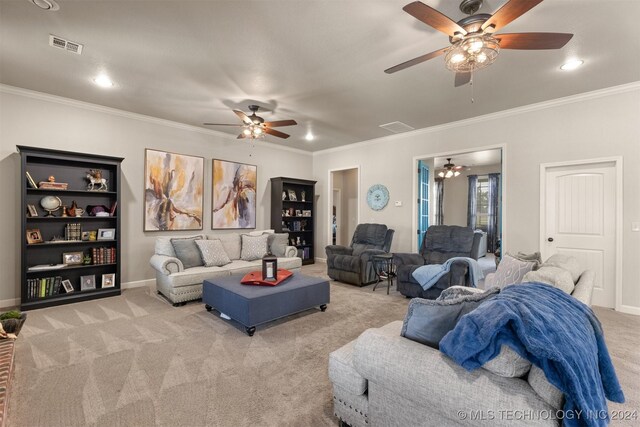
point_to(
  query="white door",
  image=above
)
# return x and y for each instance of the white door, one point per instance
(580, 220)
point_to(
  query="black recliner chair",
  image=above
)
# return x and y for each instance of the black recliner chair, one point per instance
(354, 264)
(440, 243)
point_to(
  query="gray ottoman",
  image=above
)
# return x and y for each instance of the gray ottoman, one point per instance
(252, 305)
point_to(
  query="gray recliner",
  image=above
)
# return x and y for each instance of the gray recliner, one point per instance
(440, 243)
(353, 264)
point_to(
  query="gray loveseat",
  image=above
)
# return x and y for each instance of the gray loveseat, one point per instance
(179, 284)
(384, 379)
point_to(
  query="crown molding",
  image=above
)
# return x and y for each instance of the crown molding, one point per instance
(600, 93)
(27, 93)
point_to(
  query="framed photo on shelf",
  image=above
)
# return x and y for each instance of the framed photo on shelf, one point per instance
(72, 258)
(85, 236)
(298, 212)
(93, 235)
(108, 280)
(87, 282)
(34, 236)
(31, 210)
(306, 212)
(292, 195)
(106, 233)
(68, 287)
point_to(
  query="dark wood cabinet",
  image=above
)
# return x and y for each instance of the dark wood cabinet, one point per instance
(293, 212)
(50, 239)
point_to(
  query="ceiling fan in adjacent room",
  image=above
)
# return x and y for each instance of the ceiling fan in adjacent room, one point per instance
(474, 44)
(450, 170)
(254, 126)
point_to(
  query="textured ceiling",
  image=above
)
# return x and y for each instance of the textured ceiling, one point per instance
(319, 62)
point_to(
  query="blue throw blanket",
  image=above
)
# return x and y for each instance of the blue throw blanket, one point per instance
(554, 331)
(428, 275)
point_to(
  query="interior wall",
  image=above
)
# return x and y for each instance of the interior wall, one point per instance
(39, 120)
(601, 124)
(347, 182)
(456, 193)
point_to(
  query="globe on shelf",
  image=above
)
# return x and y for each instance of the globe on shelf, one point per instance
(50, 204)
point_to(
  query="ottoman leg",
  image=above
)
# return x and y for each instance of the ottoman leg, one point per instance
(251, 331)
(208, 307)
(323, 307)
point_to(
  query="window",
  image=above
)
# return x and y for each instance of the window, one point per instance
(482, 203)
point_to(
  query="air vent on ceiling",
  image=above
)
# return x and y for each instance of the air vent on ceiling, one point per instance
(397, 127)
(67, 45)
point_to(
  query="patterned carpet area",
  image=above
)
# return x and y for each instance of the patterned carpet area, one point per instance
(135, 360)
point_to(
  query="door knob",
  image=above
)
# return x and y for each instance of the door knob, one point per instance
(550, 239)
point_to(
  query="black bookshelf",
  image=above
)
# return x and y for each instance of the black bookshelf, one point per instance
(295, 217)
(71, 168)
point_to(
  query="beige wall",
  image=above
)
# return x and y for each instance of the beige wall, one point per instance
(42, 121)
(456, 191)
(595, 125)
(347, 182)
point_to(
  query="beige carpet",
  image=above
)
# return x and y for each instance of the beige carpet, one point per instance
(135, 360)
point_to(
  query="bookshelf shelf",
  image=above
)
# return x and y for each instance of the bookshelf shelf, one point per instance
(297, 225)
(70, 168)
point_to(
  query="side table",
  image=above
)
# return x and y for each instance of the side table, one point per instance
(384, 268)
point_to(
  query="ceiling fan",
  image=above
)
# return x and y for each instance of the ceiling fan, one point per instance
(473, 43)
(450, 170)
(254, 126)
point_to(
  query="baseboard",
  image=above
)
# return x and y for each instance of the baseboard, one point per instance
(138, 284)
(322, 260)
(11, 302)
(629, 309)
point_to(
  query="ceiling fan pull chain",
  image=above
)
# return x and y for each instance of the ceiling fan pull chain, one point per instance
(471, 84)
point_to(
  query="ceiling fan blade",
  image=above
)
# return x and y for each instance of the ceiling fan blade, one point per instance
(276, 133)
(279, 123)
(416, 61)
(533, 41)
(243, 116)
(241, 136)
(462, 79)
(508, 12)
(221, 124)
(433, 18)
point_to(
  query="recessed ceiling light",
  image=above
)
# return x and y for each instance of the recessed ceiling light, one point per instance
(49, 5)
(309, 136)
(571, 65)
(103, 81)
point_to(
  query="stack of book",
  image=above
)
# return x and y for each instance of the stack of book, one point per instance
(103, 255)
(46, 185)
(43, 286)
(305, 252)
(73, 232)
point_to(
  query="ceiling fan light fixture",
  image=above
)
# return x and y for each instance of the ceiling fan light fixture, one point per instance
(472, 53)
(456, 173)
(571, 65)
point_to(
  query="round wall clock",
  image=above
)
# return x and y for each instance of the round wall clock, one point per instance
(377, 197)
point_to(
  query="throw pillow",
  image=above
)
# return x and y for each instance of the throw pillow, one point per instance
(508, 363)
(511, 271)
(535, 256)
(187, 251)
(543, 388)
(253, 247)
(232, 244)
(213, 253)
(566, 262)
(428, 321)
(454, 292)
(554, 276)
(277, 243)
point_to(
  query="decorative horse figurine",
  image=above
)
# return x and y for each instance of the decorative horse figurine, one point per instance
(95, 177)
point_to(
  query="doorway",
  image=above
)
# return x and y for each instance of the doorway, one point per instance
(344, 204)
(580, 211)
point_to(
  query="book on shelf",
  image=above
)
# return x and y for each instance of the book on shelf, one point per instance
(103, 255)
(30, 180)
(43, 287)
(43, 267)
(73, 232)
(46, 185)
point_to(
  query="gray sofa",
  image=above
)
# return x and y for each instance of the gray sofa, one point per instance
(353, 264)
(179, 284)
(384, 379)
(440, 243)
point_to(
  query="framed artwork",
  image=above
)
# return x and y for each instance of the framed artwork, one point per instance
(292, 195)
(87, 282)
(106, 233)
(34, 236)
(31, 209)
(72, 258)
(234, 195)
(108, 280)
(68, 287)
(173, 190)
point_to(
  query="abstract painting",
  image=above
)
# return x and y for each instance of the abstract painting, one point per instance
(234, 195)
(173, 190)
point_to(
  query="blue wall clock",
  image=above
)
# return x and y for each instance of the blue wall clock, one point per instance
(377, 197)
